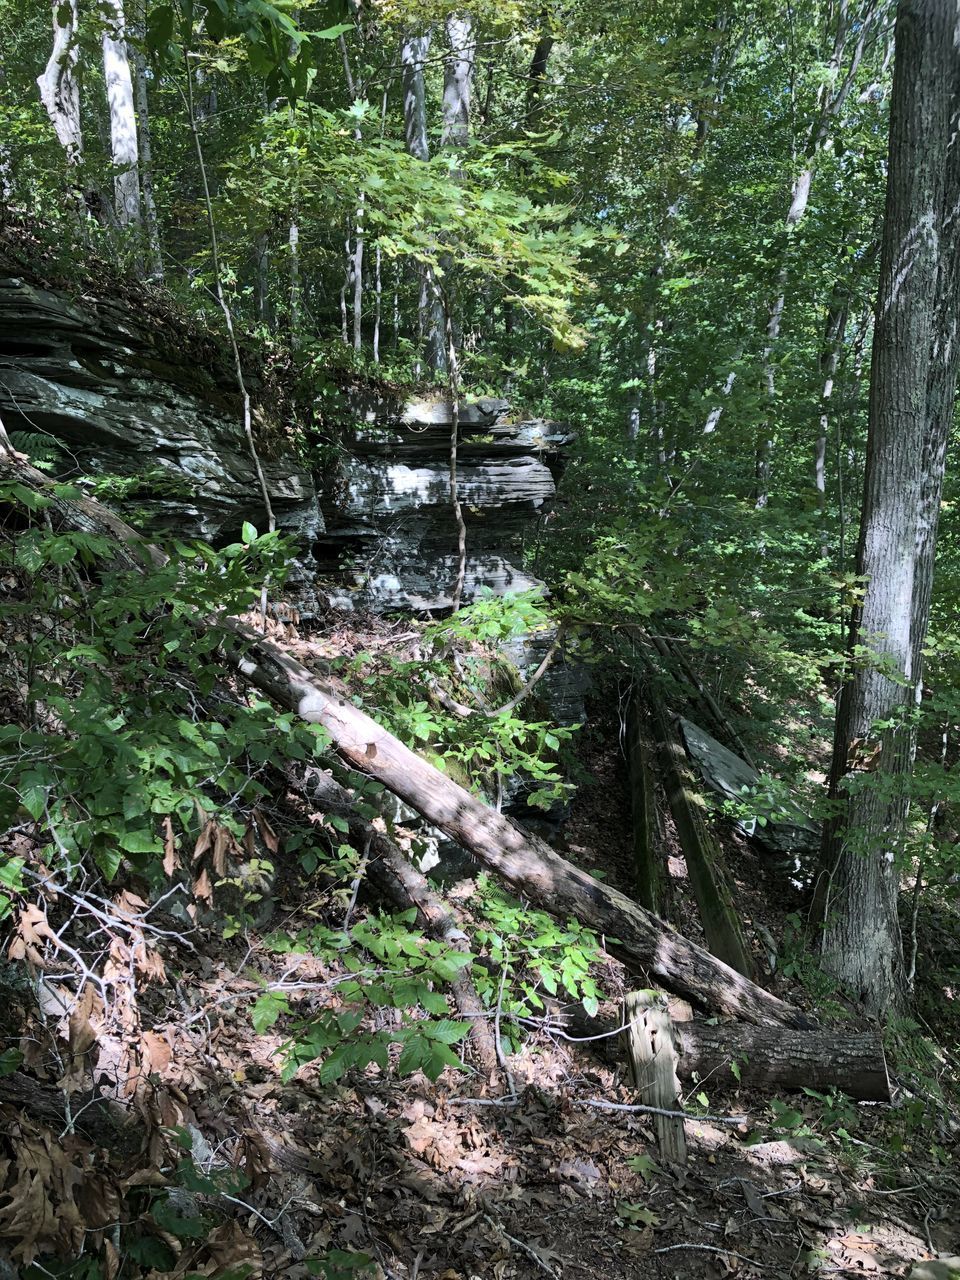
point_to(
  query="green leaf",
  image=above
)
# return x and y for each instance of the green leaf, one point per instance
(267, 1009)
(34, 800)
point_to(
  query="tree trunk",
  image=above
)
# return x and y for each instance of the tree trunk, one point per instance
(913, 376)
(834, 330)
(523, 860)
(413, 55)
(59, 87)
(123, 120)
(145, 145)
(458, 81)
(537, 74)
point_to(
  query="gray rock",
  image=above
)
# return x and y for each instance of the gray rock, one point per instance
(727, 775)
(391, 536)
(115, 396)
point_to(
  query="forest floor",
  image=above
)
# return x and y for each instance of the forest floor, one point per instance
(459, 1178)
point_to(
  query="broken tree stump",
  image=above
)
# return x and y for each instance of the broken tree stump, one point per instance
(652, 1059)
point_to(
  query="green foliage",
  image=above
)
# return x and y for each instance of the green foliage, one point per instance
(452, 711)
(340, 1264)
(523, 953)
(406, 972)
(116, 739)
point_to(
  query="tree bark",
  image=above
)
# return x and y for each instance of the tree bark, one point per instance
(145, 145)
(123, 120)
(520, 858)
(458, 81)
(652, 1054)
(834, 331)
(913, 384)
(59, 86)
(822, 1060)
(413, 56)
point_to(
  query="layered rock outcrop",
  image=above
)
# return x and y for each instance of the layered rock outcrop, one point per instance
(114, 393)
(390, 532)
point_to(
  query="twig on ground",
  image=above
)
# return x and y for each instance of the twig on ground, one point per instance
(526, 1248)
(501, 1056)
(602, 1105)
(712, 1248)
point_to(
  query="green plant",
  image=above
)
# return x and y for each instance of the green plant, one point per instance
(405, 972)
(522, 953)
(123, 750)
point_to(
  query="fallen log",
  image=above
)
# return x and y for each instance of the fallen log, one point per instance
(854, 1063)
(764, 1057)
(521, 859)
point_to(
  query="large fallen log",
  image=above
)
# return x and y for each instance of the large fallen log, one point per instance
(728, 1054)
(762, 1056)
(521, 859)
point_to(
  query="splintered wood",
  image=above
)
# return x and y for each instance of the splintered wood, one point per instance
(652, 1056)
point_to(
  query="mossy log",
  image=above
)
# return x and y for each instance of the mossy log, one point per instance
(706, 865)
(526, 863)
(649, 858)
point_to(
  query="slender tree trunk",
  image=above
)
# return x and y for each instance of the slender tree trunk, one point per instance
(60, 90)
(413, 56)
(145, 146)
(261, 277)
(123, 120)
(293, 266)
(377, 301)
(537, 75)
(458, 81)
(913, 384)
(6, 167)
(834, 330)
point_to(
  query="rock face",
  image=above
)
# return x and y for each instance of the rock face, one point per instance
(391, 537)
(116, 395)
(108, 390)
(786, 830)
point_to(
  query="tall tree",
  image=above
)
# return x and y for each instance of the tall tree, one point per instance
(59, 85)
(413, 57)
(123, 120)
(913, 385)
(458, 80)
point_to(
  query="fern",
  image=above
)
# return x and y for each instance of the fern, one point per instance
(42, 450)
